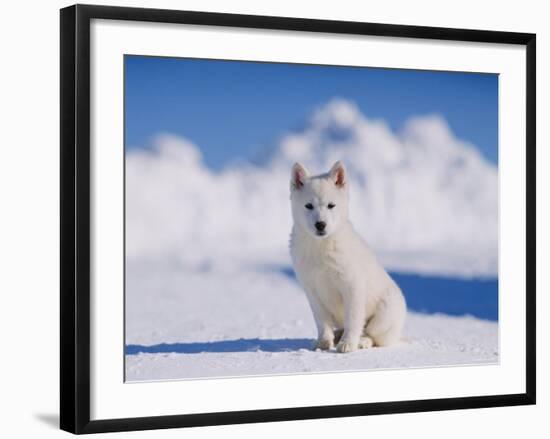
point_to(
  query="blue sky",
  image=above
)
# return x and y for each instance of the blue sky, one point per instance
(235, 110)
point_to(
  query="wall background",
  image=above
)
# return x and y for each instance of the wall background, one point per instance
(29, 250)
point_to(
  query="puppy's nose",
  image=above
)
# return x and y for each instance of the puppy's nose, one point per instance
(320, 226)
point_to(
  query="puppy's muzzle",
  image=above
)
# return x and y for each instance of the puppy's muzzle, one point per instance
(320, 226)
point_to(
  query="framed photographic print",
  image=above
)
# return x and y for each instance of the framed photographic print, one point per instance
(256, 211)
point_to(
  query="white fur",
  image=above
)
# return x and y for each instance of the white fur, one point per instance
(354, 301)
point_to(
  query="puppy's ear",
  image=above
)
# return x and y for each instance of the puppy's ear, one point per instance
(299, 176)
(338, 174)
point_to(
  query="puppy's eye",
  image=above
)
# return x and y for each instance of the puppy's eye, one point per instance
(331, 205)
(309, 206)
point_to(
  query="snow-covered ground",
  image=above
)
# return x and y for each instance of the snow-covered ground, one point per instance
(188, 325)
(204, 296)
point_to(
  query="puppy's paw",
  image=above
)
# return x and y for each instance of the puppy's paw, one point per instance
(324, 344)
(346, 346)
(365, 342)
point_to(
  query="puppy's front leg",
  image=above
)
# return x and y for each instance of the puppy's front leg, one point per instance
(323, 321)
(355, 313)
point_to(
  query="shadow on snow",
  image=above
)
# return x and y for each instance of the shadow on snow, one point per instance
(454, 296)
(240, 345)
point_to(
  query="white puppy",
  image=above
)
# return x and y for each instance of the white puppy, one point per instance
(354, 301)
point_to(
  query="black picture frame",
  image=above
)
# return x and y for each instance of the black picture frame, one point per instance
(75, 217)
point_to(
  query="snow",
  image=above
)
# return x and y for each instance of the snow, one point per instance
(205, 292)
(426, 201)
(182, 325)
